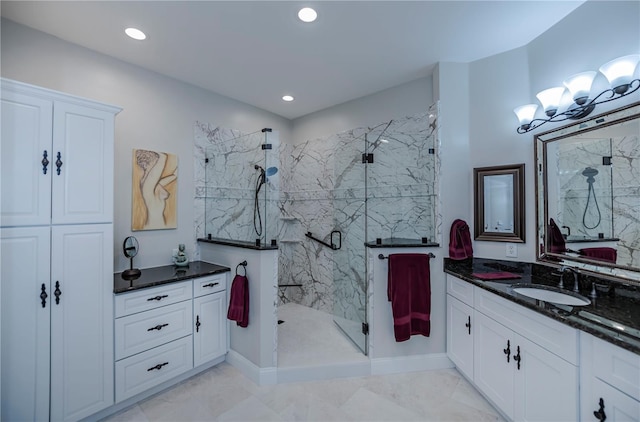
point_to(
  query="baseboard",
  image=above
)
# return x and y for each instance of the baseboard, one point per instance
(261, 376)
(395, 365)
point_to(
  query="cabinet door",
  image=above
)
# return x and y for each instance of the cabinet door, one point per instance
(82, 321)
(493, 370)
(460, 335)
(25, 323)
(210, 333)
(617, 406)
(25, 140)
(83, 191)
(546, 387)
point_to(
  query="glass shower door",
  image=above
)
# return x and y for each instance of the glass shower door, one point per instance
(349, 217)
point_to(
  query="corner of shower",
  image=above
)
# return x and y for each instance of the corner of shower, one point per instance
(242, 188)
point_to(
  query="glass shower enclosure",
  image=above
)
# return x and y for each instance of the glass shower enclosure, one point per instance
(242, 187)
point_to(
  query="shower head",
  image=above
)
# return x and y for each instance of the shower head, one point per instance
(257, 167)
(271, 171)
(589, 172)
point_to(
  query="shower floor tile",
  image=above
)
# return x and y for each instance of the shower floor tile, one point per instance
(310, 337)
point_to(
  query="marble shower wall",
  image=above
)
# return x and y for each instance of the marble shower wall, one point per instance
(226, 179)
(620, 206)
(325, 187)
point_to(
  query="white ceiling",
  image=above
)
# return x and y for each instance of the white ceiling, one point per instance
(257, 51)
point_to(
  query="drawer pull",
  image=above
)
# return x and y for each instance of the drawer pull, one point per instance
(158, 366)
(210, 285)
(158, 298)
(157, 327)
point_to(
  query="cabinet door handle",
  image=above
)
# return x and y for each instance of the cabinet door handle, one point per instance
(157, 327)
(158, 366)
(507, 351)
(198, 323)
(210, 285)
(45, 162)
(599, 414)
(43, 295)
(517, 357)
(468, 325)
(57, 292)
(58, 163)
(158, 298)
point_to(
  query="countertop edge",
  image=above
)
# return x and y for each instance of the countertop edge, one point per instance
(602, 333)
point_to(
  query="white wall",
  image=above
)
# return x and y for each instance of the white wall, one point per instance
(403, 100)
(158, 114)
(596, 32)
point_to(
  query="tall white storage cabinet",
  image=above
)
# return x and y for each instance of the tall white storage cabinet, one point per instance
(56, 233)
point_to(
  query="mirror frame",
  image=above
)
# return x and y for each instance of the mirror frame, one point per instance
(518, 234)
(609, 118)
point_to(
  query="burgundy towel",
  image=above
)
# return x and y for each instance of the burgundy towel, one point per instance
(460, 241)
(239, 301)
(556, 240)
(502, 275)
(601, 254)
(409, 291)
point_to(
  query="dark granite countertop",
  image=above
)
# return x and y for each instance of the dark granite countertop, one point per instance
(398, 242)
(240, 243)
(613, 316)
(167, 274)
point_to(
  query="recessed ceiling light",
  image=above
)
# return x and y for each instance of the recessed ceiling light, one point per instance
(287, 98)
(135, 33)
(307, 14)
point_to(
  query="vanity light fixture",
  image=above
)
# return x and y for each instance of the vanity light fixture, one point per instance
(307, 15)
(287, 98)
(619, 73)
(135, 33)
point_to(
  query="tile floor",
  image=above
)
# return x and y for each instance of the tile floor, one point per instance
(224, 394)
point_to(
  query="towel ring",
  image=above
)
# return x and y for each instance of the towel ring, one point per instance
(244, 265)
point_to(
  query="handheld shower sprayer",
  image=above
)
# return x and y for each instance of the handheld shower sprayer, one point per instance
(590, 174)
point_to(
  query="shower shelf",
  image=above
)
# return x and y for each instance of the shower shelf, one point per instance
(290, 240)
(289, 285)
(288, 218)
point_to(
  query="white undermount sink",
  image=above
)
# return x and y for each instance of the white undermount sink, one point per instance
(551, 295)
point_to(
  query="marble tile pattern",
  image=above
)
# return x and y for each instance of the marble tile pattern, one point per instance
(225, 183)
(323, 186)
(320, 187)
(619, 207)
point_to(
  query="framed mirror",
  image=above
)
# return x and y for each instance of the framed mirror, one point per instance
(499, 203)
(588, 193)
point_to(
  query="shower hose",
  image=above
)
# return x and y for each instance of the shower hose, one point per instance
(586, 207)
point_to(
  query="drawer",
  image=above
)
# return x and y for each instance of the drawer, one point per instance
(145, 299)
(145, 370)
(460, 289)
(139, 332)
(211, 284)
(552, 335)
(617, 367)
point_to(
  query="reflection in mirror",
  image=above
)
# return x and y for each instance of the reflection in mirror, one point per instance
(499, 203)
(588, 199)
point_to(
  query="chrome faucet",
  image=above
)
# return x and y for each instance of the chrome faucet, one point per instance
(576, 274)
